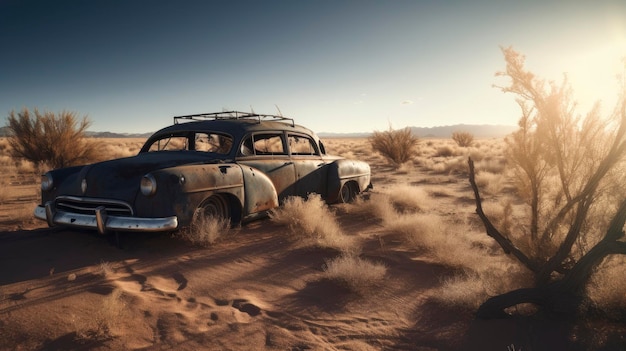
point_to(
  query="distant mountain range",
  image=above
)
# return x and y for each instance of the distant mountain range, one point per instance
(118, 135)
(479, 131)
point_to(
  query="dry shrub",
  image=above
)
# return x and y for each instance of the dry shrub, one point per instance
(492, 165)
(396, 146)
(463, 139)
(105, 319)
(347, 148)
(113, 148)
(456, 165)
(490, 183)
(205, 230)
(312, 221)
(445, 151)
(109, 315)
(379, 206)
(404, 168)
(4, 145)
(500, 214)
(23, 214)
(5, 191)
(607, 287)
(54, 140)
(6, 161)
(468, 290)
(453, 244)
(357, 274)
(106, 268)
(26, 167)
(409, 198)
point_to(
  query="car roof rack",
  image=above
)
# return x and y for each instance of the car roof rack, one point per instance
(231, 115)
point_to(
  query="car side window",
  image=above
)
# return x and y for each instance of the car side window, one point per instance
(217, 143)
(263, 144)
(302, 145)
(171, 143)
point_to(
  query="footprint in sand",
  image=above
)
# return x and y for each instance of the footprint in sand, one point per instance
(181, 280)
(247, 307)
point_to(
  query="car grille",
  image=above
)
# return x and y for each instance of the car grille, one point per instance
(88, 206)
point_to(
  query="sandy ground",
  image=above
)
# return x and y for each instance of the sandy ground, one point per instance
(254, 290)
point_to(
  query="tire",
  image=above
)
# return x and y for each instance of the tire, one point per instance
(348, 193)
(216, 206)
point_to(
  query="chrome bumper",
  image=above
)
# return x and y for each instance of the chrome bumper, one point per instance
(103, 222)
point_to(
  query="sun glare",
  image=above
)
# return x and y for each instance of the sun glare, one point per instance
(596, 75)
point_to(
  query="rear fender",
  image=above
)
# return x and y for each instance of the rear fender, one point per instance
(342, 171)
(260, 193)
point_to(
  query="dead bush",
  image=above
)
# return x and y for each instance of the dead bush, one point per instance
(357, 274)
(48, 139)
(396, 146)
(312, 223)
(463, 139)
(205, 230)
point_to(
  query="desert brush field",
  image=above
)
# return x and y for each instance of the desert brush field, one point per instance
(403, 268)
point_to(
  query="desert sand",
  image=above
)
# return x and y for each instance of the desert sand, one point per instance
(256, 288)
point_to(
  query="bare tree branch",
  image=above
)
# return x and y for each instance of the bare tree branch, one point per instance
(504, 242)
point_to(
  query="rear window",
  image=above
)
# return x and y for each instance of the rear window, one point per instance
(204, 142)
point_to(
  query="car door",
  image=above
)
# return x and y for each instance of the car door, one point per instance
(309, 166)
(267, 152)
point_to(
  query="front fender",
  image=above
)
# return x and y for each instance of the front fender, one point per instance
(342, 171)
(180, 190)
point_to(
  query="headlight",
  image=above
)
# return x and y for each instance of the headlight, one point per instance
(148, 185)
(46, 182)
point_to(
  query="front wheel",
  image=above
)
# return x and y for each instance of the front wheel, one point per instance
(217, 207)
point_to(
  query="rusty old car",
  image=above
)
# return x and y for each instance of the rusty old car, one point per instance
(232, 164)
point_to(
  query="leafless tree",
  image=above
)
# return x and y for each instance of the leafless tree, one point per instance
(569, 171)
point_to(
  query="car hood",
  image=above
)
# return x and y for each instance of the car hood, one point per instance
(119, 179)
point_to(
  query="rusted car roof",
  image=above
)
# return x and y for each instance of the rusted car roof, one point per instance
(237, 128)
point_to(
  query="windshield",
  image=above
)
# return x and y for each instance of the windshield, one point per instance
(205, 142)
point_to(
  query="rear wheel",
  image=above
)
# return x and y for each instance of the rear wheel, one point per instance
(348, 192)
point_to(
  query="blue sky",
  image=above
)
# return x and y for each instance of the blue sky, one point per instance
(335, 66)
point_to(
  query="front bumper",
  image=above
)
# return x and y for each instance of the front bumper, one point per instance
(103, 222)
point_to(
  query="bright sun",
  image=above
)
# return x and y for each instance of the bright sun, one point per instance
(597, 74)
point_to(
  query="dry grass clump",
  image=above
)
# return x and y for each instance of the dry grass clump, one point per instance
(4, 191)
(392, 203)
(492, 165)
(357, 274)
(446, 151)
(205, 230)
(397, 146)
(106, 268)
(490, 183)
(484, 270)
(453, 242)
(444, 157)
(469, 289)
(112, 148)
(106, 319)
(311, 220)
(409, 198)
(456, 165)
